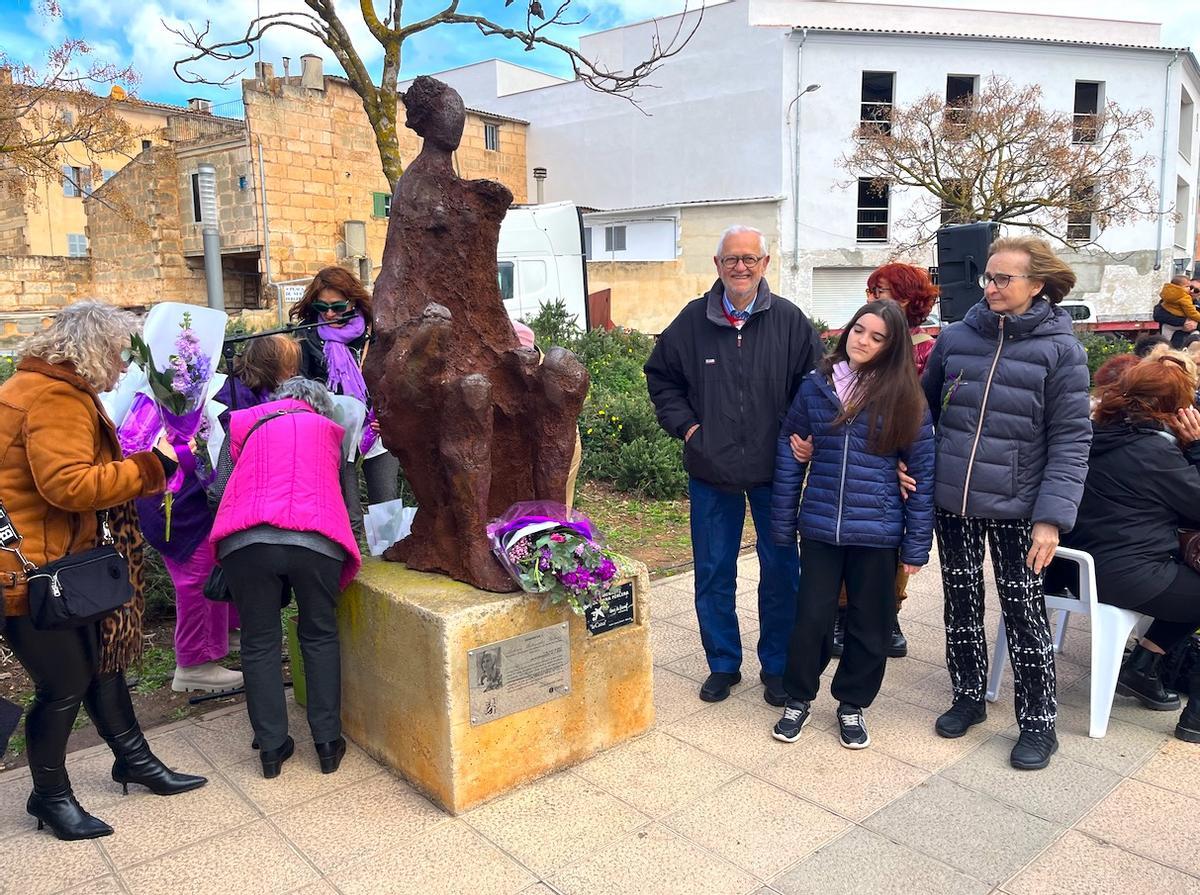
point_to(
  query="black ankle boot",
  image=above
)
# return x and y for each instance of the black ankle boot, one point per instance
(63, 814)
(108, 702)
(1188, 728)
(137, 764)
(273, 759)
(1139, 679)
(330, 754)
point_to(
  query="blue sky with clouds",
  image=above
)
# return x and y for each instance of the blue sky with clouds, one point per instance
(137, 33)
(134, 33)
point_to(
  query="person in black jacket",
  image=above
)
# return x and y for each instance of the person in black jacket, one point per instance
(721, 376)
(1143, 485)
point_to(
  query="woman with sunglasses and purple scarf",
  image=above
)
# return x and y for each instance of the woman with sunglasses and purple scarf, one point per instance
(333, 353)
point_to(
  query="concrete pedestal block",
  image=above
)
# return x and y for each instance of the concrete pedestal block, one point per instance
(405, 638)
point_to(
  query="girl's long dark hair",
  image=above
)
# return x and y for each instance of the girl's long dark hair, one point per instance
(886, 390)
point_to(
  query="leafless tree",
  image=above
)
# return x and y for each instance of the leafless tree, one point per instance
(1004, 156)
(59, 119)
(321, 20)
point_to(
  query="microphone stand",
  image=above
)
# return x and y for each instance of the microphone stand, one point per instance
(230, 346)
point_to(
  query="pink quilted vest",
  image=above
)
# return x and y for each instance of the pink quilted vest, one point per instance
(287, 476)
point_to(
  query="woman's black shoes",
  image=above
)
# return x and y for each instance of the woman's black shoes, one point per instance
(330, 754)
(1139, 679)
(273, 759)
(137, 764)
(65, 817)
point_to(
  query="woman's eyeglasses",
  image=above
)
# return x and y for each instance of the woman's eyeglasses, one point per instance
(338, 307)
(1000, 279)
(879, 292)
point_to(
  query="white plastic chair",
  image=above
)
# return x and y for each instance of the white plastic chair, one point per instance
(1111, 628)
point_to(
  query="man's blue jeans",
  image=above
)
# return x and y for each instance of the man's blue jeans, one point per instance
(717, 518)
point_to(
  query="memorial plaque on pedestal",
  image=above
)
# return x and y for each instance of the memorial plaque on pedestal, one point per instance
(521, 672)
(616, 614)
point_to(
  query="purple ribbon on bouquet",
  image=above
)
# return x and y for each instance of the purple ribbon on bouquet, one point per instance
(139, 430)
(581, 527)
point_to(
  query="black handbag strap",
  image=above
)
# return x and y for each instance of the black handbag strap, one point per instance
(225, 461)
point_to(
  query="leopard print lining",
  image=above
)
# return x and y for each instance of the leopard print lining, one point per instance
(121, 631)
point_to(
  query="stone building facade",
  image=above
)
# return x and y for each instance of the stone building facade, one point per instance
(299, 186)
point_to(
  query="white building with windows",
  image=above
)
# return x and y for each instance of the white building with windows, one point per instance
(749, 123)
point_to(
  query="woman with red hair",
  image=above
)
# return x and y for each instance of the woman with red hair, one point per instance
(911, 288)
(1143, 485)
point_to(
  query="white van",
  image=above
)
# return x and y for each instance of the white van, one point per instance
(541, 258)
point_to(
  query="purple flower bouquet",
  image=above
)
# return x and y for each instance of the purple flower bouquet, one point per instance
(177, 404)
(551, 550)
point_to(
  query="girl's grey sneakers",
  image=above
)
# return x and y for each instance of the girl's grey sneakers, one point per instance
(787, 728)
(852, 727)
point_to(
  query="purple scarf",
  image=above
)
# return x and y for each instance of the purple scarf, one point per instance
(344, 376)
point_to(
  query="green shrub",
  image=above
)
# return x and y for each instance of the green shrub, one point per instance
(8, 366)
(160, 592)
(651, 466)
(554, 325)
(1100, 347)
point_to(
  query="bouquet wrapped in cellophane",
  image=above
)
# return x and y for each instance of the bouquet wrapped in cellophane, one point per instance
(554, 551)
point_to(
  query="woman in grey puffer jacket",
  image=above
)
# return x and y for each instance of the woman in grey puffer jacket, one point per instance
(1008, 389)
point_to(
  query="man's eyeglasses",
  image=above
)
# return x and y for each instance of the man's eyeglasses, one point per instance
(729, 262)
(1000, 279)
(338, 307)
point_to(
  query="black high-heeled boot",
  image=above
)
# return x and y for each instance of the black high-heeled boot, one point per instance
(111, 709)
(62, 813)
(47, 728)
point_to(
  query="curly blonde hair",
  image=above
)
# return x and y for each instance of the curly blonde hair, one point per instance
(89, 334)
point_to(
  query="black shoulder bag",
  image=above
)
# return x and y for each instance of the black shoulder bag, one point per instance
(76, 590)
(216, 588)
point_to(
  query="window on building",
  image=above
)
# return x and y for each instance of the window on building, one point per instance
(952, 206)
(1187, 111)
(878, 88)
(1088, 95)
(872, 210)
(68, 117)
(614, 239)
(505, 269)
(145, 144)
(107, 174)
(77, 180)
(382, 204)
(196, 215)
(960, 94)
(1081, 211)
(77, 245)
(587, 243)
(491, 137)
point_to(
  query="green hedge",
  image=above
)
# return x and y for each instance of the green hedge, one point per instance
(1101, 346)
(622, 441)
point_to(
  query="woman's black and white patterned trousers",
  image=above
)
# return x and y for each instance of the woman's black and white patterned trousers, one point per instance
(1030, 649)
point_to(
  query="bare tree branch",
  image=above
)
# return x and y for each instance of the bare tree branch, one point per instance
(323, 22)
(1005, 157)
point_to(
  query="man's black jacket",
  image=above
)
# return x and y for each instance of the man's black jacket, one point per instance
(736, 384)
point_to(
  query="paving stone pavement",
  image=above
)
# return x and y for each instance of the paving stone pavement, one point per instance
(707, 802)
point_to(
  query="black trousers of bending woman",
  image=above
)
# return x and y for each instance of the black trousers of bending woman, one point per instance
(257, 575)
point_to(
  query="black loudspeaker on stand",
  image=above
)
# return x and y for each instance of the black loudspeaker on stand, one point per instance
(962, 253)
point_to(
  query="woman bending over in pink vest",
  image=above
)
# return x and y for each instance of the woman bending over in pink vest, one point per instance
(282, 528)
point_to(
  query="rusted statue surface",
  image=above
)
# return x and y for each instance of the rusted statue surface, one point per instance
(477, 422)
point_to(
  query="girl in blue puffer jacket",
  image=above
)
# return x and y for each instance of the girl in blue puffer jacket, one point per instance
(865, 411)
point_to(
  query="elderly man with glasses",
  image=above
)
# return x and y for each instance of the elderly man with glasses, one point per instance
(720, 377)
